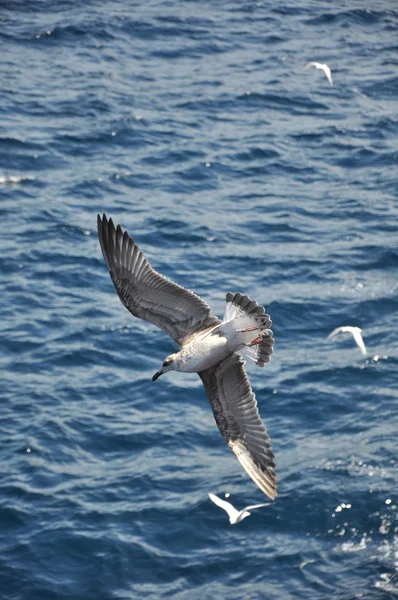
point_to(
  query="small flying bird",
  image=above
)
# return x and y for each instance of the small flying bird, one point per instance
(324, 68)
(207, 346)
(235, 515)
(355, 332)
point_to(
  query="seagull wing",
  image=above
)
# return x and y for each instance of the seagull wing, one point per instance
(147, 294)
(334, 332)
(227, 506)
(328, 74)
(257, 506)
(235, 411)
(356, 332)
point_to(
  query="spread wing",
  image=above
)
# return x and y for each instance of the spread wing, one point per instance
(257, 506)
(147, 294)
(235, 411)
(359, 340)
(227, 506)
(335, 332)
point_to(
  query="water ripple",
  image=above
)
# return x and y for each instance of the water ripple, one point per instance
(235, 170)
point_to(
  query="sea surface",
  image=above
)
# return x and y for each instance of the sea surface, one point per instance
(196, 127)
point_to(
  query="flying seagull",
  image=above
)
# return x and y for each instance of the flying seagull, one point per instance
(356, 333)
(208, 346)
(235, 515)
(324, 68)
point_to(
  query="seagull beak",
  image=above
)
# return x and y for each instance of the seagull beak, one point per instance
(157, 375)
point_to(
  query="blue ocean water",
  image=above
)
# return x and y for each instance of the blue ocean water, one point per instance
(195, 126)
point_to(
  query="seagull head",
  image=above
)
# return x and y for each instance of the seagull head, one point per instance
(169, 364)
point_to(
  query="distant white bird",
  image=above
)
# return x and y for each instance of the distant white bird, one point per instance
(355, 332)
(324, 68)
(235, 516)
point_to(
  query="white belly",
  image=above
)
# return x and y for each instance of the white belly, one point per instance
(204, 353)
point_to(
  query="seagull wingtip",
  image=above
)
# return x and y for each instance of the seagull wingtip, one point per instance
(102, 219)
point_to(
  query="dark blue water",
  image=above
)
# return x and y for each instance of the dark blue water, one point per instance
(195, 125)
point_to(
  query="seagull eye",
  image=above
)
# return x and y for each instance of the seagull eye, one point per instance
(167, 362)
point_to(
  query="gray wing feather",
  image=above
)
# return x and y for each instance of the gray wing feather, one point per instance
(147, 294)
(235, 411)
